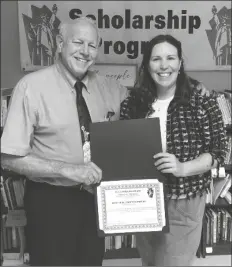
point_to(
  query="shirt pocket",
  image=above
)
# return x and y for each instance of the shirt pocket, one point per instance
(57, 134)
(111, 115)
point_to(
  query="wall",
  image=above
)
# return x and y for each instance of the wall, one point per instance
(10, 54)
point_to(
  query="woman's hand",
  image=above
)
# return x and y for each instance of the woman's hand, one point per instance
(168, 163)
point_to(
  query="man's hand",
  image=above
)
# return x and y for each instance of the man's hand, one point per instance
(53, 172)
(86, 174)
(89, 188)
(168, 163)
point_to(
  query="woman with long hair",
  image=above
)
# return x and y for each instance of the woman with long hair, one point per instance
(193, 142)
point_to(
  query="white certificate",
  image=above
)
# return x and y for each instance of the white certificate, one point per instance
(129, 206)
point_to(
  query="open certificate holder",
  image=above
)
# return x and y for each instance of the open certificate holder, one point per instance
(130, 197)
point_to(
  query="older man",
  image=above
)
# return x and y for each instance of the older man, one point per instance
(43, 139)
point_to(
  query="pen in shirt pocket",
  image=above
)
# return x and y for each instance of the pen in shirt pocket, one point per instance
(109, 115)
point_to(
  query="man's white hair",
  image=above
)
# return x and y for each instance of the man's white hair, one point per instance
(63, 29)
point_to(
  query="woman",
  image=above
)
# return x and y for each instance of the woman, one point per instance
(193, 142)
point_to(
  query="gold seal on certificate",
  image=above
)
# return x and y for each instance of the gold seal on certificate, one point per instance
(130, 206)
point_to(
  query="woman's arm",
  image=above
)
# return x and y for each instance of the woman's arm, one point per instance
(199, 165)
(168, 163)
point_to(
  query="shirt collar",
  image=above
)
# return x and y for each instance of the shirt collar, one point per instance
(69, 77)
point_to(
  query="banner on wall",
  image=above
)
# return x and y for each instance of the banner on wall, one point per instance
(203, 27)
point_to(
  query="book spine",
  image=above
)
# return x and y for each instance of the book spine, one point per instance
(4, 197)
(209, 240)
(219, 225)
(7, 191)
(17, 184)
(228, 197)
(226, 188)
(226, 224)
(214, 221)
(9, 237)
(133, 241)
(228, 238)
(118, 243)
(14, 237)
(203, 249)
(5, 244)
(106, 243)
(21, 240)
(12, 192)
(3, 111)
(223, 224)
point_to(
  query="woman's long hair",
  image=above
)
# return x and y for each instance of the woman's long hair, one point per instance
(146, 84)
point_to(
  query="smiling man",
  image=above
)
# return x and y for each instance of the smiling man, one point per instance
(46, 138)
(78, 47)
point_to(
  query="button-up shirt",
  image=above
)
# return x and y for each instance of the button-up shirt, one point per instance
(42, 118)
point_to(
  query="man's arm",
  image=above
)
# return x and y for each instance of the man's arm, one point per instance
(52, 171)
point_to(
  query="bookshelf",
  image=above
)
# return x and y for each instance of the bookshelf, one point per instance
(216, 232)
(222, 248)
(13, 217)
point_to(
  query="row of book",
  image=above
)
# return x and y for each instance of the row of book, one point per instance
(13, 215)
(12, 233)
(224, 102)
(11, 239)
(120, 241)
(220, 188)
(216, 230)
(12, 192)
(218, 222)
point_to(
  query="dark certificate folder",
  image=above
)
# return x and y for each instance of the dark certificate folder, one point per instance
(124, 150)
